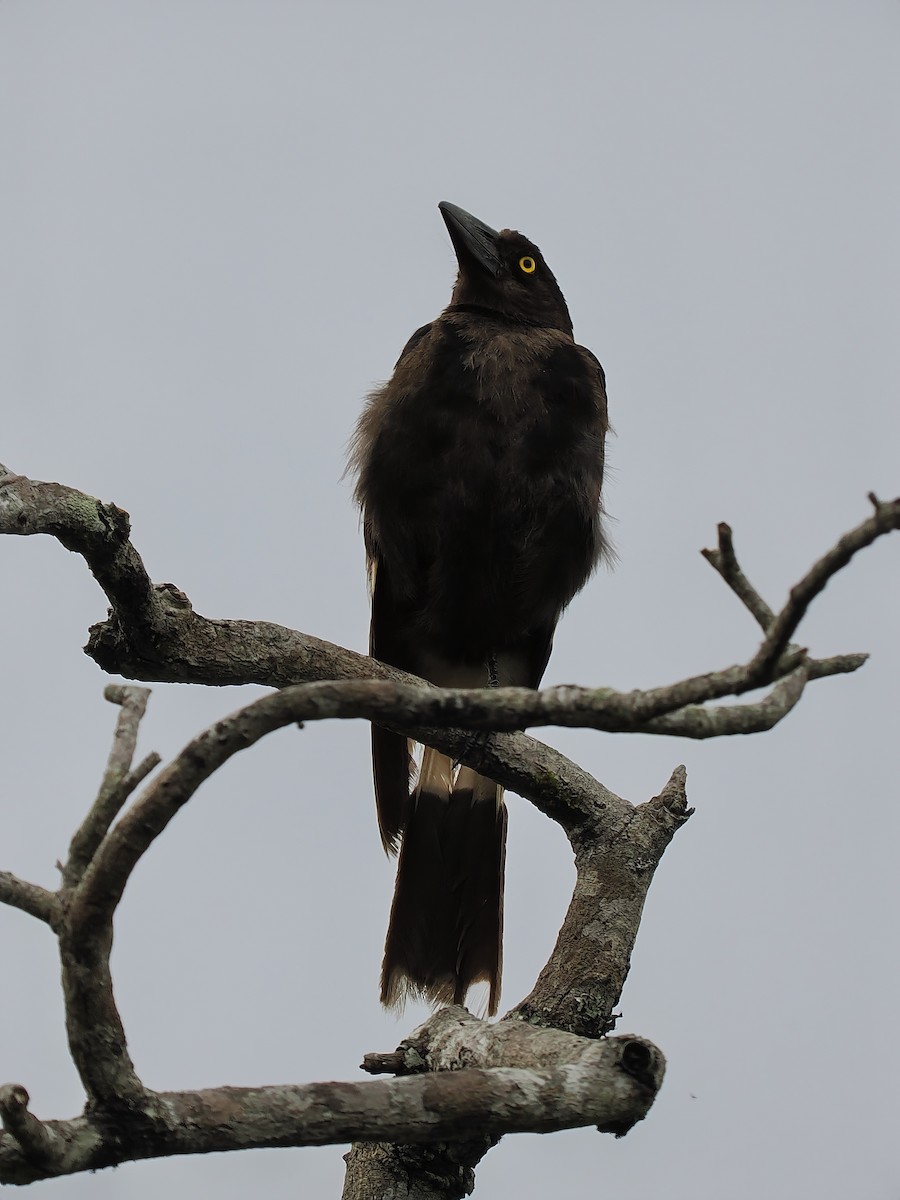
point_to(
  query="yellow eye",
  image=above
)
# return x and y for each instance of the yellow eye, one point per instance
(527, 265)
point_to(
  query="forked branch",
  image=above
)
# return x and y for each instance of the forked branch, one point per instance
(517, 1077)
(152, 633)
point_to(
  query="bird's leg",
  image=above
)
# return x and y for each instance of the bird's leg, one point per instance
(493, 673)
(479, 735)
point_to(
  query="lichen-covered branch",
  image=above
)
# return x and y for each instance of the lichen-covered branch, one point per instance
(515, 1080)
(451, 1041)
(616, 856)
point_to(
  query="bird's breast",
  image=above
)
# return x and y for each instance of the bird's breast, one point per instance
(505, 375)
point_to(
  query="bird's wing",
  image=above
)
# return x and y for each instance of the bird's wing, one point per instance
(392, 761)
(421, 332)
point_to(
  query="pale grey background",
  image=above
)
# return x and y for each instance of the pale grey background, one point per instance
(218, 226)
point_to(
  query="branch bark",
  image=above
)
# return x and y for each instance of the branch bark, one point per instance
(463, 1083)
(616, 855)
(119, 780)
(36, 1143)
(28, 897)
(475, 1083)
(153, 634)
(481, 1080)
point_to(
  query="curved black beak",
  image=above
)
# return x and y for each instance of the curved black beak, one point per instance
(474, 242)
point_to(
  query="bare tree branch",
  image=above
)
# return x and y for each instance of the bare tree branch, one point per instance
(616, 855)
(441, 1171)
(36, 1142)
(449, 1041)
(127, 1120)
(119, 780)
(96, 1035)
(84, 928)
(451, 1038)
(94, 1028)
(516, 1079)
(518, 1073)
(29, 898)
(154, 634)
(393, 704)
(885, 519)
(98, 532)
(701, 721)
(725, 561)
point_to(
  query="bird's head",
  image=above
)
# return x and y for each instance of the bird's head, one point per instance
(503, 272)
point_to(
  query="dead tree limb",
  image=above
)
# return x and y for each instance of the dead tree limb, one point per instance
(422, 1133)
(152, 633)
(551, 1073)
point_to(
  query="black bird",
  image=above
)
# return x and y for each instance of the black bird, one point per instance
(479, 467)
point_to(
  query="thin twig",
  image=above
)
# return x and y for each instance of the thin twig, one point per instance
(725, 562)
(702, 721)
(95, 1030)
(838, 664)
(885, 519)
(119, 780)
(724, 559)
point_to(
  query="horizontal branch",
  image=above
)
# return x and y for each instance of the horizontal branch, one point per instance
(610, 1084)
(706, 721)
(411, 1110)
(153, 633)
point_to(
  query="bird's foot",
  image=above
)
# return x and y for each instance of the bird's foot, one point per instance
(475, 738)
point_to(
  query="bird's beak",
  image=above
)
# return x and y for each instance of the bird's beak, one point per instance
(474, 242)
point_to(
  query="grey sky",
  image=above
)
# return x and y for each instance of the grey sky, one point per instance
(218, 226)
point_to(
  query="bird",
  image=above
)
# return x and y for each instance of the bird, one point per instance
(479, 468)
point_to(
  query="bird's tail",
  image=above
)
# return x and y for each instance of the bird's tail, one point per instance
(446, 927)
